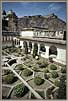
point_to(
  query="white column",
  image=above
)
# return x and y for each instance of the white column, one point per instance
(21, 43)
(4, 38)
(32, 48)
(10, 38)
(7, 38)
(47, 52)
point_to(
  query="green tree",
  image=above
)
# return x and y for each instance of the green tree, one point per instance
(27, 72)
(25, 47)
(62, 88)
(20, 90)
(35, 50)
(38, 80)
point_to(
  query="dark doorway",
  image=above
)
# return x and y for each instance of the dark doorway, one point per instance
(64, 37)
(52, 50)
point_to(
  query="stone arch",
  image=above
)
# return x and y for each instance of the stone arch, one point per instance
(19, 42)
(25, 43)
(42, 48)
(36, 46)
(53, 50)
(15, 41)
(30, 44)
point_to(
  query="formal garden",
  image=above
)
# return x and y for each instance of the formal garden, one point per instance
(47, 78)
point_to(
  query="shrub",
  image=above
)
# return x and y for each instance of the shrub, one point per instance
(7, 72)
(38, 80)
(54, 74)
(62, 88)
(12, 62)
(30, 66)
(27, 72)
(46, 70)
(35, 50)
(35, 69)
(46, 64)
(25, 47)
(39, 63)
(20, 67)
(19, 90)
(10, 78)
(63, 70)
(34, 53)
(57, 83)
(53, 67)
(46, 76)
(64, 76)
(42, 66)
(49, 92)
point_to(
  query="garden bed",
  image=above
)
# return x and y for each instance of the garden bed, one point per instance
(42, 86)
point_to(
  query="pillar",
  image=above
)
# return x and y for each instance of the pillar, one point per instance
(38, 48)
(32, 48)
(47, 52)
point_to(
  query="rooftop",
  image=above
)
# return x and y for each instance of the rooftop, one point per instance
(46, 40)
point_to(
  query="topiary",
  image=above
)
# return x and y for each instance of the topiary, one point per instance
(53, 67)
(62, 88)
(42, 65)
(46, 70)
(27, 72)
(46, 76)
(57, 83)
(7, 72)
(45, 63)
(49, 92)
(64, 76)
(20, 67)
(35, 69)
(19, 90)
(35, 50)
(39, 63)
(10, 78)
(38, 80)
(30, 66)
(54, 74)
(63, 70)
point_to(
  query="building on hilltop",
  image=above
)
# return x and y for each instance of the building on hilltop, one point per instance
(51, 25)
(11, 19)
(48, 32)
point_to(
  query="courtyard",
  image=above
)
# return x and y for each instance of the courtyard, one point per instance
(34, 75)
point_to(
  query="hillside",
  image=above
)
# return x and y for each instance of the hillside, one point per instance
(52, 22)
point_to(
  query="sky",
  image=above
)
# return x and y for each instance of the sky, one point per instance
(36, 8)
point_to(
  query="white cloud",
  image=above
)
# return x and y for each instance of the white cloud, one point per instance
(53, 7)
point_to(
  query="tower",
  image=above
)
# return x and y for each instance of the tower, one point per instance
(12, 21)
